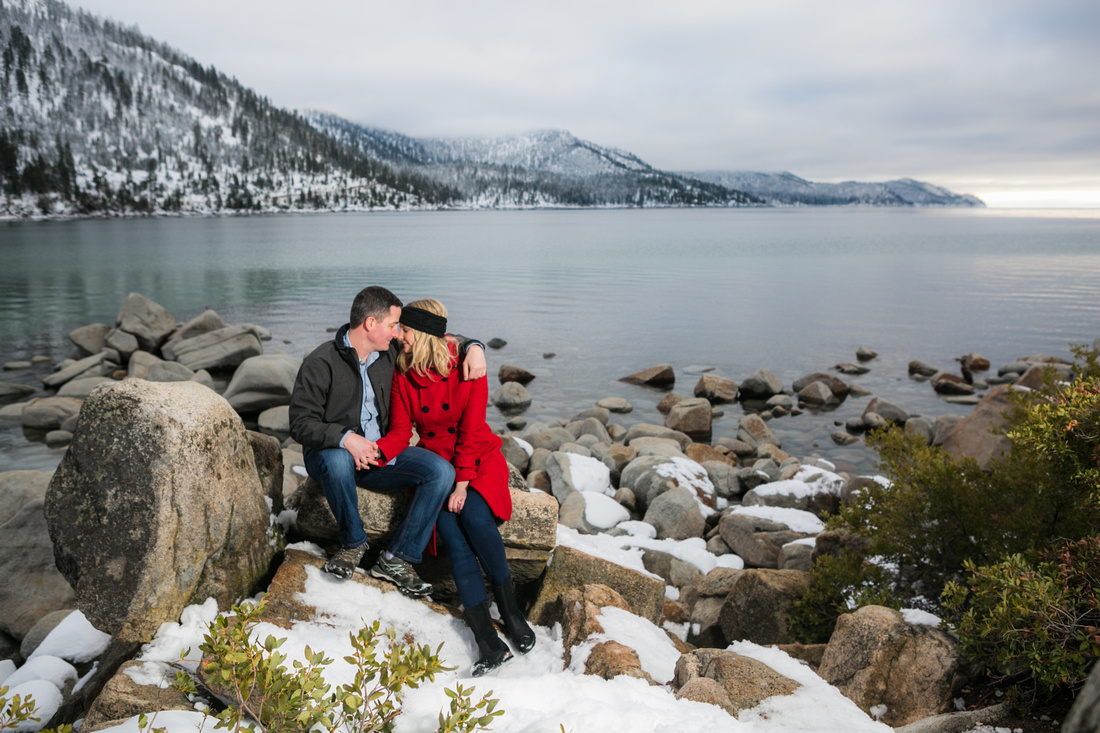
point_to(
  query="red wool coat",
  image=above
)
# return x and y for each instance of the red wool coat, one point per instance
(449, 415)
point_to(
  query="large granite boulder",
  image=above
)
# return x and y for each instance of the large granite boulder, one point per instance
(222, 349)
(876, 659)
(261, 382)
(30, 586)
(758, 605)
(977, 435)
(757, 540)
(570, 472)
(529, 535)
(727, 679)
(571, 569)
(156, 505)
(145, 320)
(649, 476)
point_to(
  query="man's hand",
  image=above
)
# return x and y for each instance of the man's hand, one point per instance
(458, 497)
(365, 452)
(473, 366)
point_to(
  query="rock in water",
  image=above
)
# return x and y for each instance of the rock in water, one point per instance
(156, 505)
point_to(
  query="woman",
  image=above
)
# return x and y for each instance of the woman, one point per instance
(449, 415)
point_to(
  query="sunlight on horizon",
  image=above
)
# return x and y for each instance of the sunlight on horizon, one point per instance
(1049, 199)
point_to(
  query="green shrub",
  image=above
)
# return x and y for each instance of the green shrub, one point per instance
(1035, 624)
(264, 695)
(838, 584)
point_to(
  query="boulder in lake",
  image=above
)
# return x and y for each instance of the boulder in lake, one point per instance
(951, 384)
(851, 369)
(661, 375)
(886, 410)
(692, 417)
(124, 343)
(91, 366)
(91, 338)
(919, 368)
(753, 430)
(716, 389)
(865, 354)
(835, 384)
(513, 373)
(205, 322)
(760, 385)
(817, 394)
(156, 505)
(48, 413)
(262, 382)
(222, 349)
(150, 323)
(615, 404)
(511, 396)
(14, 392)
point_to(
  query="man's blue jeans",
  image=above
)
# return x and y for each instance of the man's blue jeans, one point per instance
(472, 537)
(415, 468)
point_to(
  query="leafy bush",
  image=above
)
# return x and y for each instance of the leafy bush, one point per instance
(1038, 624)
(264, 695)
(940, 512)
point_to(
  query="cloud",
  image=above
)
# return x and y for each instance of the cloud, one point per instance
(953, 92)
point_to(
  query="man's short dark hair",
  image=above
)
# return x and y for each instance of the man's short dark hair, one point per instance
(373, 301)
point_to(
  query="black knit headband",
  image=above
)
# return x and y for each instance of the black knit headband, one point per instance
(419, 319)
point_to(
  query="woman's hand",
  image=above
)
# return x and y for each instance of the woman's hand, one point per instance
(458, 497)
(473, 366)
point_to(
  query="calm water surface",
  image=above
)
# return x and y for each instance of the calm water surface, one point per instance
(608, 291)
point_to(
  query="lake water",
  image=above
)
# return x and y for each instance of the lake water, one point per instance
(609, 292)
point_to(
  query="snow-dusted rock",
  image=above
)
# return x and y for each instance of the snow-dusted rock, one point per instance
(729, 680)
(572, 568)
(757, 536)
(675, 514)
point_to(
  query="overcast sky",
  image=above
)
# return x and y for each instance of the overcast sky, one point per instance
(1000, 98)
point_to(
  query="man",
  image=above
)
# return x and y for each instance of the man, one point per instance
(339, 409)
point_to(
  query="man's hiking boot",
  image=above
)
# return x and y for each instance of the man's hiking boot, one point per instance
(343, 563)
(400, 573)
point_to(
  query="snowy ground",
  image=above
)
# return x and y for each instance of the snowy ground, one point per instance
(534, 690)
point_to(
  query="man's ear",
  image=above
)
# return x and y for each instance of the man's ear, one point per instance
(369, 322)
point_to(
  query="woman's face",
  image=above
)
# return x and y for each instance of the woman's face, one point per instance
(408, 338)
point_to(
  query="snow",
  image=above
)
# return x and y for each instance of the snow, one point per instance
(74, 639)
(918, 617)
(7, 666)
(46, 696)
(796, 519)
(527, 447)
(589, 474)
(534, 690)
(687, 472)
(45, 668)
(626, 550)
(600, 510)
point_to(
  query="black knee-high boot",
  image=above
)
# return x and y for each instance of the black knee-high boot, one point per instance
(492, 650)
(515, 625)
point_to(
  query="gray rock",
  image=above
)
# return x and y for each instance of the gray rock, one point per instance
(615, 404)
(140, 364)
(716, 389)
(541, 435)
(589, 426)
(90, 339)
(14, 392)
(849, 368)
(602, 414)
(169, 371)
(511, 396)
(796, 556)
(755, 539)
(761, 385)
(30, 585)
(575, 449)
(16, 366)
(780, 400)
(262, 382)
(865, 354)
(951, 384)
(513, 373)
(205, 322)
(1084, 716)
(647, 430)
(41, 630)
(642, 478)
(816, 394)
(222, 349)
(842, 437)
(836, 385)
(156, 505)
(724, 478)
(203, 377)
(88, 367)
(665, 447)
(753, 430)
(48, 413)
(676, 515)
(82, 387)
(147, 321)
(886, 410)
(1015, 367)
(921, 427)
(124, 343)
(13, 412)
(58, 438)
(669, 401)
(514, 453)
(560, 468)
(759, 603)
(675, 571)
(275, 421)
(691, 417)
(858, 391)
(942, 427)
(661, 375)
(921, 369)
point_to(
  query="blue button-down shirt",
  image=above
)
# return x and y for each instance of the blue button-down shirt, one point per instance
(368, 412)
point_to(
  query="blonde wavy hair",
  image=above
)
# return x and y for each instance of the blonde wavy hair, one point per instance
(428, 352)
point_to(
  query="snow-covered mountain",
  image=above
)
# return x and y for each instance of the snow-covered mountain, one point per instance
(547, 168)
(99, 118)
(789, 189)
